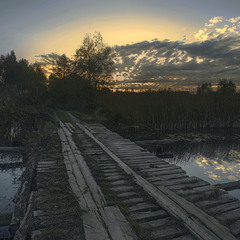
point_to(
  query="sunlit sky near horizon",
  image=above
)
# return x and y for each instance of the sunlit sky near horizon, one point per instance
(32, 27)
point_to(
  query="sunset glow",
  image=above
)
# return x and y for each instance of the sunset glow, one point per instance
(35, 29)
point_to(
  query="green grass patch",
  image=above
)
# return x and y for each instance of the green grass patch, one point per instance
(63, 116)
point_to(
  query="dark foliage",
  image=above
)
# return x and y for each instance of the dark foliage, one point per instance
(22, 95)
(170, 111)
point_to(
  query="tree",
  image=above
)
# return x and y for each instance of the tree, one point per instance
(204, 89)
(93, 61)
(67, 87)
(20, 75)
(226, 87)
(62, 67)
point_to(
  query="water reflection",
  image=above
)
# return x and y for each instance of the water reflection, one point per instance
(9, 184)
(214, 160)
(10, 172)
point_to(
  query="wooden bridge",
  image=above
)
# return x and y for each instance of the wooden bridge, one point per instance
(127, 193)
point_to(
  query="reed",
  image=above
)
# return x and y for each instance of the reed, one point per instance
(170, 111)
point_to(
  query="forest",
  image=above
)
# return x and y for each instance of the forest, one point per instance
(30, 93)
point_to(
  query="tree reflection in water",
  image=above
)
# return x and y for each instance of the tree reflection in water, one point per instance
(215, 160)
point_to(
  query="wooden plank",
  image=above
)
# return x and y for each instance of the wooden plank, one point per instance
(155, 168)
(167, 177)
(47, 163)
(230, 215)
(220, 200)
(117, 225)
(229, 186)
(85, 176)
(235, 227)
(224, 207)
(71, 125)
(119, 182)
(82, 184)
(143, 158)
(113, 174)
(114, 178)
(123, 188)
(196, 190)
(196, 222)
(185, 237)
(127, 194)
(134, 200)
(113, 170)
(93, 186)
(188, 185)
(144, 207)
(74, 185)
(148, 164)
(163, 172)
(93, 227)
(157, 223)
(168, 232)
(12, 149)
(74, 180)
(170, 182)
(209, 221)
(148, 215)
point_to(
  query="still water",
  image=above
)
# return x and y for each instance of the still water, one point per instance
(9, 184)
(10, 173)
(215, 159)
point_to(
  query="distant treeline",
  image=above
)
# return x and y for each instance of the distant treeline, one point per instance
(84, 83)
(170, 111)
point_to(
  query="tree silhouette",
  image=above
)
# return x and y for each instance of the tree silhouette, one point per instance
(62, 67)
(204, 89)
(226, 87)
(93, 61)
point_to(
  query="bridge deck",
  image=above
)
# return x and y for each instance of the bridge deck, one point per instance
(128, 193)
(159, 197)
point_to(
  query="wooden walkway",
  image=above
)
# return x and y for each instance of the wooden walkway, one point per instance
(161, 199)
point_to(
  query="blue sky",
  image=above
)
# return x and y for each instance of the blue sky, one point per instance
(33, 27)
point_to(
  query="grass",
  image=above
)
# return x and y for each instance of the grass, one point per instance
(63, 116)
(216, 193)
(93, 117)
(53, 234)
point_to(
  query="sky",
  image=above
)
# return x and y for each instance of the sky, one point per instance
(32, 27)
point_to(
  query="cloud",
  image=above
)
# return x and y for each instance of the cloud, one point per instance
(234, 20)
(47, 61)
(228, 27)
(216, 20)
(177, 64)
